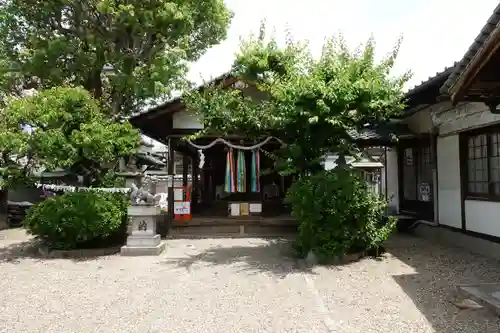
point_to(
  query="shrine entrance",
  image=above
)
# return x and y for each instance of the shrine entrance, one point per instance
(238, 180)
(233, 180)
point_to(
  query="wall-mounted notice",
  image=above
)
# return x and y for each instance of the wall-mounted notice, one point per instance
(255, 208)
(182, 208)
(235, 209)
(244, 209)
(178, 194)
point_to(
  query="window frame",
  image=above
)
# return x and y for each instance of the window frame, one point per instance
(489, 131)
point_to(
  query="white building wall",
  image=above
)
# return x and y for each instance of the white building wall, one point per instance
(449, 198)
(480, 216)
(186, 120)
(392, 180)
(483, 217)
(465, 116)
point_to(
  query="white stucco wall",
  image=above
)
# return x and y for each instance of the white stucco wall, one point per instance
(392, 180)
(420, 122)
(448, 162)
(186, 120)
(480, 216)
(465, 116)
(483, 217)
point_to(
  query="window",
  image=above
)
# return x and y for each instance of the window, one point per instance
(483, 164)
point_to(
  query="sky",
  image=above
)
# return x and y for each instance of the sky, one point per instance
(435, 32)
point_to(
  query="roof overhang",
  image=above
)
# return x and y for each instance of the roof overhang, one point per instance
(476, 78)
(483, 56)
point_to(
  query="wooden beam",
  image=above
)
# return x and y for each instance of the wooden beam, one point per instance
(484, 85)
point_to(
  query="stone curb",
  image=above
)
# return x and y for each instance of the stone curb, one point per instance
(82, 253)
(310, 260)
(178, 237)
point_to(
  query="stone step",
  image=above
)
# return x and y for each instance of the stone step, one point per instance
(232, 231)
(227, 221)
(486, 294)
(145, 241)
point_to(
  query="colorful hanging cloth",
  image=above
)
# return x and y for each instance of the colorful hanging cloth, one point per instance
(229, 185)
(255, 172)
(241, 172)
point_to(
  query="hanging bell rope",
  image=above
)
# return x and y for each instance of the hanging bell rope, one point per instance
(229, 144)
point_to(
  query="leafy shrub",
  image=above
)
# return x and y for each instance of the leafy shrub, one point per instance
(78, 219)
(338, 215)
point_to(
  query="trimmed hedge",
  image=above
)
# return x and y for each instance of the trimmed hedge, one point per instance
(338, 215)
(79, 220)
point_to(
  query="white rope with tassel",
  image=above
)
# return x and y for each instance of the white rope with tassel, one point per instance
(229, 144)
(68, 188)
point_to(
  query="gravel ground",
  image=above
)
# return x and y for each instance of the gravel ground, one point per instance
(410, 290)
(239, 285)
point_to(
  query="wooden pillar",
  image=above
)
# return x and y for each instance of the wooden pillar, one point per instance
(194, 182)
(170, 171)
(185, 169)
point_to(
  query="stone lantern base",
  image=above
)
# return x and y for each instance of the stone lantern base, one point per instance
(143, 239)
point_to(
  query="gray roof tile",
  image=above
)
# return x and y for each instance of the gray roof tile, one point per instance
(473, 49)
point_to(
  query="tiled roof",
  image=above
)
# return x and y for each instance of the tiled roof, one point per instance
(157, 106)
(149, 159)
(383, 132)
(478, 43)
(431, 80)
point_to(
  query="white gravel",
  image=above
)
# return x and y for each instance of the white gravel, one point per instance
(237, 285)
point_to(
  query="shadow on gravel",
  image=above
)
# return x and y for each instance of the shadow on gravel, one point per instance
(273, 256)
(16, 245)
(14, 253)
(23, 250)
(432, 287)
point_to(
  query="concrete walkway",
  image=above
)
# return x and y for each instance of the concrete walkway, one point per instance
(228, 285)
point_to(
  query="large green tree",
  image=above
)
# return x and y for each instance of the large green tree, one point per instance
(147, 44)
(312, 104)
(61, 128)
(124, 54)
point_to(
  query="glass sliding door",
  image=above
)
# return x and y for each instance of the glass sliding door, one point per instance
(416, 164)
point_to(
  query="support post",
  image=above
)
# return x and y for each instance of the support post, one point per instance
(194, 183)
(185, 169)
(386, 190)
(170, 171)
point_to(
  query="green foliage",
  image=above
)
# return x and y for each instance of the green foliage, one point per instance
(311, 104)
(67, 130)
(148, 44)
(338, 214)
(73, 220)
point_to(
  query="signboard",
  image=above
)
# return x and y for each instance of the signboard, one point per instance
(425, 191)
(408, 156)
(182, 207)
